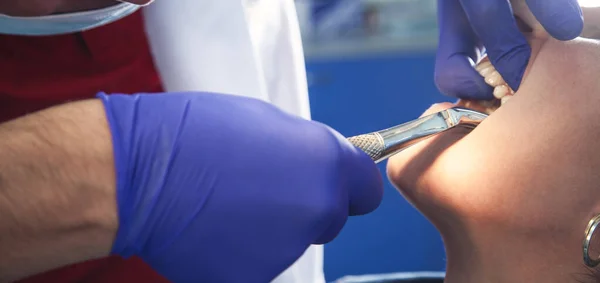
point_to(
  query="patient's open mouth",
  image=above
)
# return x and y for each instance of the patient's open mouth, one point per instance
(502, 92)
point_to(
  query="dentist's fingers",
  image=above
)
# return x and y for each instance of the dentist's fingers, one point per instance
(454, 72)
(495, 25)
(562, 19)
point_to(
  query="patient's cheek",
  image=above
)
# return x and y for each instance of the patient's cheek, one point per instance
(537, 154)
(526, 164)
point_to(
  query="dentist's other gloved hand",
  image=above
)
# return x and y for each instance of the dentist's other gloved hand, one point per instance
(219, 188)
(468, 25)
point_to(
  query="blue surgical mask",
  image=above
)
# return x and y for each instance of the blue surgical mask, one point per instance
(65, 23)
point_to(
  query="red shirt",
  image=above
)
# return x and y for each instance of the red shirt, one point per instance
(38, 72)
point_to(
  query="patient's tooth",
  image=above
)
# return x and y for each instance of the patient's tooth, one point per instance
(501, 91)
(485, 72)
(494, 79)
(505, 99)
(485, 63)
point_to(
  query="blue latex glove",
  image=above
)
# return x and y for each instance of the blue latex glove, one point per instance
(468, 25)
(219, 188)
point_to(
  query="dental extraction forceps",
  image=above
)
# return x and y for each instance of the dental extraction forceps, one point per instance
(382, 144)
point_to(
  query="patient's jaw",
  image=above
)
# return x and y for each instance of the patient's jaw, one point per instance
(512, 199)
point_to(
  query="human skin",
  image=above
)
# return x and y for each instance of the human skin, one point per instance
(513, 197)
(57, 189)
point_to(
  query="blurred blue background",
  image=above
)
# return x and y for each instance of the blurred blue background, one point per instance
(370, 66)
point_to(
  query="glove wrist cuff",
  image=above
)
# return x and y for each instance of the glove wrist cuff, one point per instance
(121, 160)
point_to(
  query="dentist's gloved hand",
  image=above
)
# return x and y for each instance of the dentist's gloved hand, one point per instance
(468, 25)
(219, 188)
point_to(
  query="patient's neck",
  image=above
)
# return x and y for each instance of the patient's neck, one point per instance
(513, 258)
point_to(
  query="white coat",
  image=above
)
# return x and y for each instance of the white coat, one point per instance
(243, 47)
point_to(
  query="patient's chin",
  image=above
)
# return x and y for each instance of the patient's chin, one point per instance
(417, 172)
(431, 199)
(409, 169)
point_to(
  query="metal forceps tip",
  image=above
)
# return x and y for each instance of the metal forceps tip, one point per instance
(382, 144)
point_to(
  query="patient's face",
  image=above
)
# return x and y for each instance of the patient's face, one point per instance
(517, 192)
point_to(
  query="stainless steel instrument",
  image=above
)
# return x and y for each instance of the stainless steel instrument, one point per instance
(382, 144)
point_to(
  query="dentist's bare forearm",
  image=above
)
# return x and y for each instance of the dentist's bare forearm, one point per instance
(57, 189)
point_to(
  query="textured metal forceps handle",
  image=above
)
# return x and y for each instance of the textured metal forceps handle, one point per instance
(385, 143)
